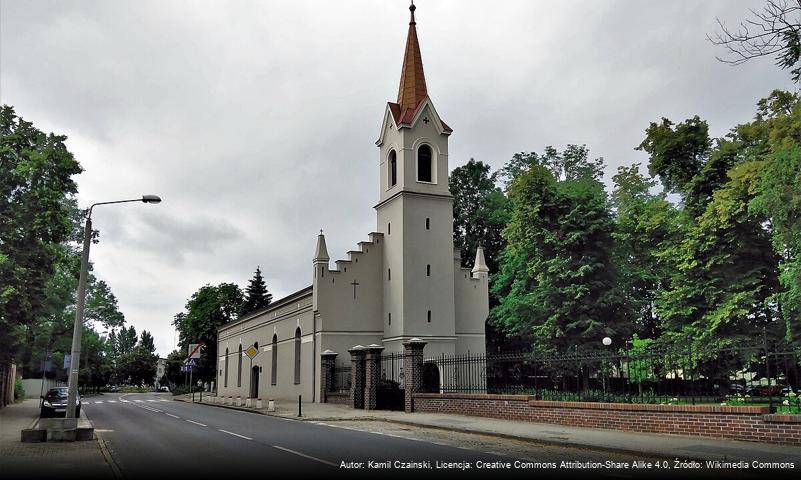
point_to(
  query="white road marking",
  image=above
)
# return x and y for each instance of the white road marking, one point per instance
(101, 401)
(234, 434)
(112, 401)
(162, 400)
(138, 401)
(171, 415)
(306, 456)
(152, 400)
(197, 423)
(125, 401)
(150, 409)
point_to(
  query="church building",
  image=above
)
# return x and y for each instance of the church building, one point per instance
(404, 281)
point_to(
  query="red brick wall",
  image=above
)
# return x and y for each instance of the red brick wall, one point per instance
(733, 423)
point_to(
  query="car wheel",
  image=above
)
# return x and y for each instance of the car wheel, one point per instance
(78, 411)
(45, 413)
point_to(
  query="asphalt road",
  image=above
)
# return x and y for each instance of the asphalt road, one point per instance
(152, 436)
(149, 434)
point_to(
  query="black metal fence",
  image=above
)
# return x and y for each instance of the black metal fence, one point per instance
(389, 393)
(342, 379)
(734, 376)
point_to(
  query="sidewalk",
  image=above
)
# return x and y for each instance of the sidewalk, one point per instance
(34, 460)
(668, 446)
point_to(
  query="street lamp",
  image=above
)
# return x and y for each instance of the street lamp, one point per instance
(75, 358)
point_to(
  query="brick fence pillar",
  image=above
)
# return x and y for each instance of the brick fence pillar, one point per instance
(357, 355)
(412, 371)
(372, 373)
(327, 365)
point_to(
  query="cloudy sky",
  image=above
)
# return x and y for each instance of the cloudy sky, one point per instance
(256, 121)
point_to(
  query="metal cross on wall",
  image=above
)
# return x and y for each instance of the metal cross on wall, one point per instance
(355, 284)
(425, 120)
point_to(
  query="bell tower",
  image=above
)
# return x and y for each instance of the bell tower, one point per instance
(415, 211)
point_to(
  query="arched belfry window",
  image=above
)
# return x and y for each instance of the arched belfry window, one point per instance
(393, 169)
(227, 361)
(239, 367)
(424, 164)
(274, 373)
(297, 356)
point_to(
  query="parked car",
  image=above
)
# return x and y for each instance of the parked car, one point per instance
(54, 403)
(737, 388)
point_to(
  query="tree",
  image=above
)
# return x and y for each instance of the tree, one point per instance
(36, 187)
(207, 309)
(774, 138)
(647, 224)
(571, 164)
(557, 282)
(138, 367)
(677, 156)
(101, 305)
(256, 294)
(124, 341)
(774, 30)
(480, 212)
(146, 342)
(722, 288)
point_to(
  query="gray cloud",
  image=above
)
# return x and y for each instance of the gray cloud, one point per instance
(256, 120)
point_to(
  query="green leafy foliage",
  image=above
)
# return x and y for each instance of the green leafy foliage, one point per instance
(207, 309)
(557, 281)
(36, 188)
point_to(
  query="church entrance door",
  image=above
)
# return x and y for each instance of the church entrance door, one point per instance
(254, 382)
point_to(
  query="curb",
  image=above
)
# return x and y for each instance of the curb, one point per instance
(507, 436)
(286, 417)
(115, 469)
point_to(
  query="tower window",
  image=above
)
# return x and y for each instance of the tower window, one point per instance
(424, 164)
(389, 229)
(389, 315)
(428, 270)
(428, 224)
(393, 168)
(389, 274)
(429, 316)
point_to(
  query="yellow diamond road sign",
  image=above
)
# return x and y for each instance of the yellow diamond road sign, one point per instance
(252, 351)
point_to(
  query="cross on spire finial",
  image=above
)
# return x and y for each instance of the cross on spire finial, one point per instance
(412, 8)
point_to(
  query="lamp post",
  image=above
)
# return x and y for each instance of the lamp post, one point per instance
(75, 358)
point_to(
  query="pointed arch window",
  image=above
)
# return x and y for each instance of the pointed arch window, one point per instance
(239, 367)
(424, 164)
(393, 169)
(274, 367)
(225, 384)
(297, 356)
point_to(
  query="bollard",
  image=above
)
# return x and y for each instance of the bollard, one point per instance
(299, 408)
(270, 405)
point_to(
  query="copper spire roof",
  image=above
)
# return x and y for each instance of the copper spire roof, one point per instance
(412, 89)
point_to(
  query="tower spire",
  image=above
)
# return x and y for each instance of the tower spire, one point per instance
(413, 82)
